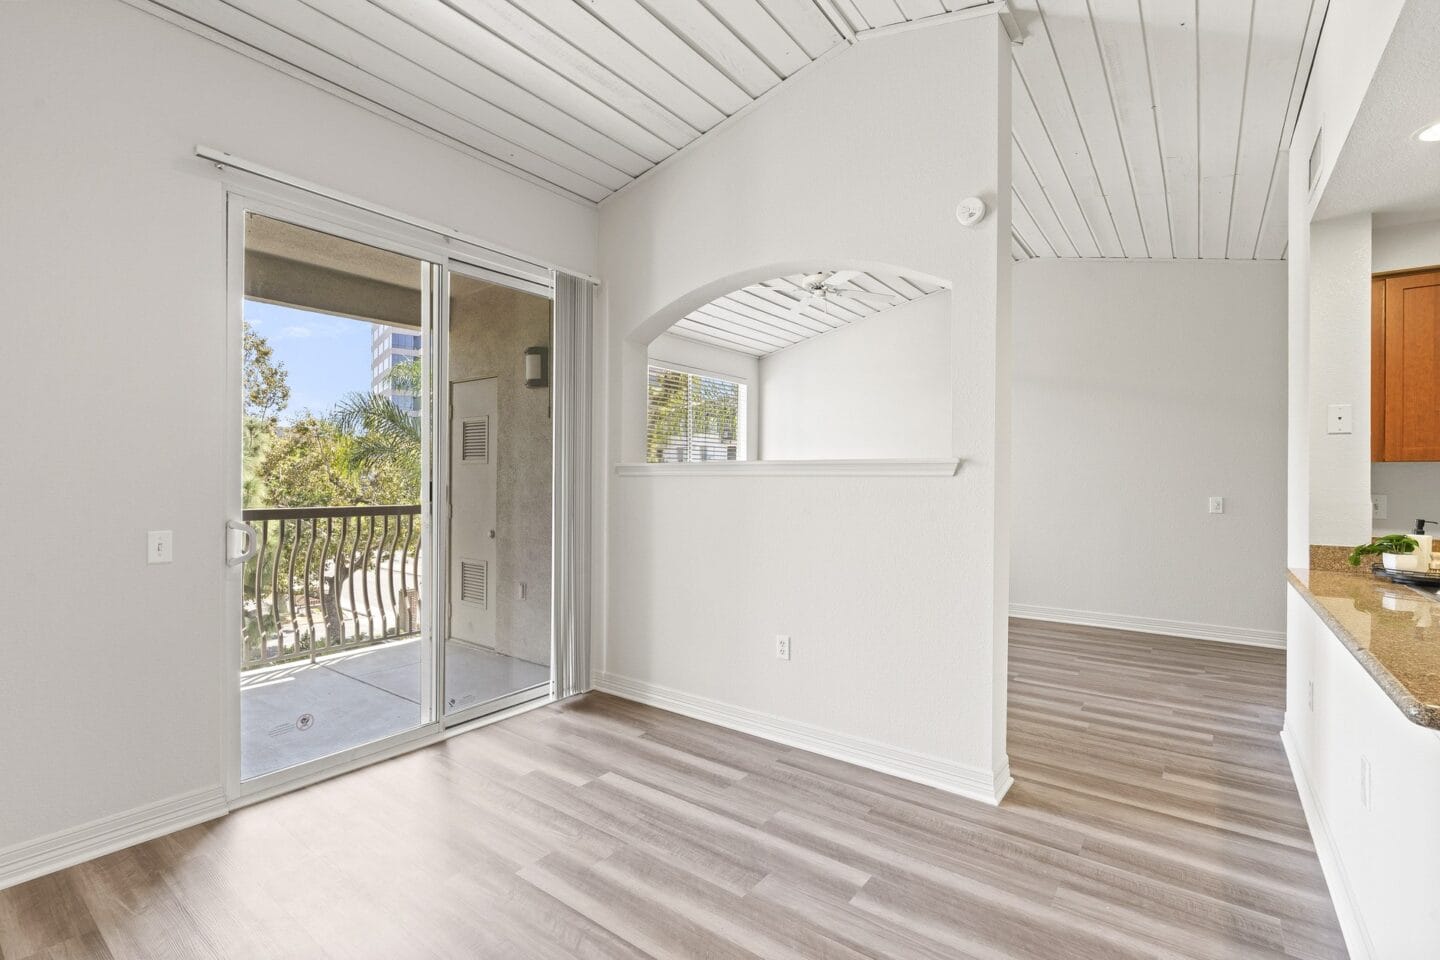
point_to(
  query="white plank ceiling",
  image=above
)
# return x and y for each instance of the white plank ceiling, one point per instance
(760, 319)
(1142, 128)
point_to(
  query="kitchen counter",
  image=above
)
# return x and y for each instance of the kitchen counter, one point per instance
(1391, 629)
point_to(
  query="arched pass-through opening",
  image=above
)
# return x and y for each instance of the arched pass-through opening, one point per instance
(800, 362)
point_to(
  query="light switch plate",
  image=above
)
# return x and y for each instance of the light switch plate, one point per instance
(1379, 506)
(1217, 504)
(159, 546)
(1338, 418)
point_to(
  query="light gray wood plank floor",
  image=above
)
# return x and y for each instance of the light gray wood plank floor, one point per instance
(1153, 816)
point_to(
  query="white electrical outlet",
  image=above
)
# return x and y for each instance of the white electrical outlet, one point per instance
(1379, 506)
(159, 546)
(1217, 504)
(1365, 782)
(782, 647)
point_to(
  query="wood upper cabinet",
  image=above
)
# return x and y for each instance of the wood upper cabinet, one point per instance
(1405, 367)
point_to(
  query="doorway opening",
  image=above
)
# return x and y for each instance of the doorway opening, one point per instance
(500, 492)
(333, 454)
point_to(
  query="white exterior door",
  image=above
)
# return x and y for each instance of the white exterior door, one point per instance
(473, 416)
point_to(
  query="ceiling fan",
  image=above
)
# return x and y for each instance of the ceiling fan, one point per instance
(822, 287)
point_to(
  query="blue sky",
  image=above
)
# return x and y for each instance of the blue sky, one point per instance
(326, 357)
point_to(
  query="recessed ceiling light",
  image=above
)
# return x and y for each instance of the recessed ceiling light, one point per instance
(1430, 134)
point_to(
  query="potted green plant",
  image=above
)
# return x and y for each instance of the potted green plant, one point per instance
(1396, 550)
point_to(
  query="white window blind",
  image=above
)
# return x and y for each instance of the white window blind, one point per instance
(691, 418)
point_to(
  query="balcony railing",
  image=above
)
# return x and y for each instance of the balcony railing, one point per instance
(325, 579)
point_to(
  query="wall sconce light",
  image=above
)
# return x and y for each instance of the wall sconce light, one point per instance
(537, 370)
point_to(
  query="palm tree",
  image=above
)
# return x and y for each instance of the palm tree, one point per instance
(379, 432)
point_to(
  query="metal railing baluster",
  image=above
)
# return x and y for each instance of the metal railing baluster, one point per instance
(309, 614)
(370, 557)
(259, 579)
(290, 538)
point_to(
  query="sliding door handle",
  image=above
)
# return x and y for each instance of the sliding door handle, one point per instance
(252, 542)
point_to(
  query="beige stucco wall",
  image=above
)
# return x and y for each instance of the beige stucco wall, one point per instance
(490, 327)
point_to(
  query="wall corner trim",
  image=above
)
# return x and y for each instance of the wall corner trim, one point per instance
(1220, 633)
(35, 858)
(1347, 909)
(973, 783)
(793, 468)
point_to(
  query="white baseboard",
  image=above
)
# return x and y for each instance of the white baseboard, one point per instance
(1352, 924)
(1246, 636)
(35, 858)
(971, 782)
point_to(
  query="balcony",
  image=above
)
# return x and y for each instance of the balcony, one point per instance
(331, 633)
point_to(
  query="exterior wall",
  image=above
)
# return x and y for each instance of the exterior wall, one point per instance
(1141, 390)
(114, 686)
(894, 590)
(490, 327)
(879, 387)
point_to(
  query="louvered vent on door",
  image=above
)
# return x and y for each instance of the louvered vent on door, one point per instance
(475, 582)
(475, 440)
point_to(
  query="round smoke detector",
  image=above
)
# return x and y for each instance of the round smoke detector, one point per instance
(970, 211)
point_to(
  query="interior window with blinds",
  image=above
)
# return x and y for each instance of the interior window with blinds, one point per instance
(692, 417)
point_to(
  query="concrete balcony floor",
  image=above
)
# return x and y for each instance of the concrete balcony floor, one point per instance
(297, 712)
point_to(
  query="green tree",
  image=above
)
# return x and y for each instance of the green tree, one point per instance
(309, 464)
(382, 437)
(266, 394)
(685, 405)
(256, 436)
(266, 382)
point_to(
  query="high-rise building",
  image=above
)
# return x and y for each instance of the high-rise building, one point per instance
(390, 347)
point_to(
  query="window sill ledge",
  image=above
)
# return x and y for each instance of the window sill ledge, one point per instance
(793, 468)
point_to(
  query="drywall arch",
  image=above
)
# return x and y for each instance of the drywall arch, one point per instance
(894, 589)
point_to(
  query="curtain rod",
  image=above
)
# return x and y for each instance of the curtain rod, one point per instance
(223, 159)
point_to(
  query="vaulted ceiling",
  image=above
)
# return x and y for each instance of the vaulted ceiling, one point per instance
(1142, 128)
(765, 317)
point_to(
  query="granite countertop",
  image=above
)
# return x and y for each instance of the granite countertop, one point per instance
(1393, 631)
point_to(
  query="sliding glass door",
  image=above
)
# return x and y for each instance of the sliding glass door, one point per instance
(499, 490)
(333, 407)
(391, 534)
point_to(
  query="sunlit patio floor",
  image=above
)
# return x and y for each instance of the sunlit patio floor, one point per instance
(297, 712)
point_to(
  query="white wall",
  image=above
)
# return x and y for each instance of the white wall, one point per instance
(876, 388)
(1351, 44)
(112, 267)
(670, 350)
(1382, 862)
(1405, 247)
(1141, 390)
(909, 664)
(1339, 351)
(1412, 490)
